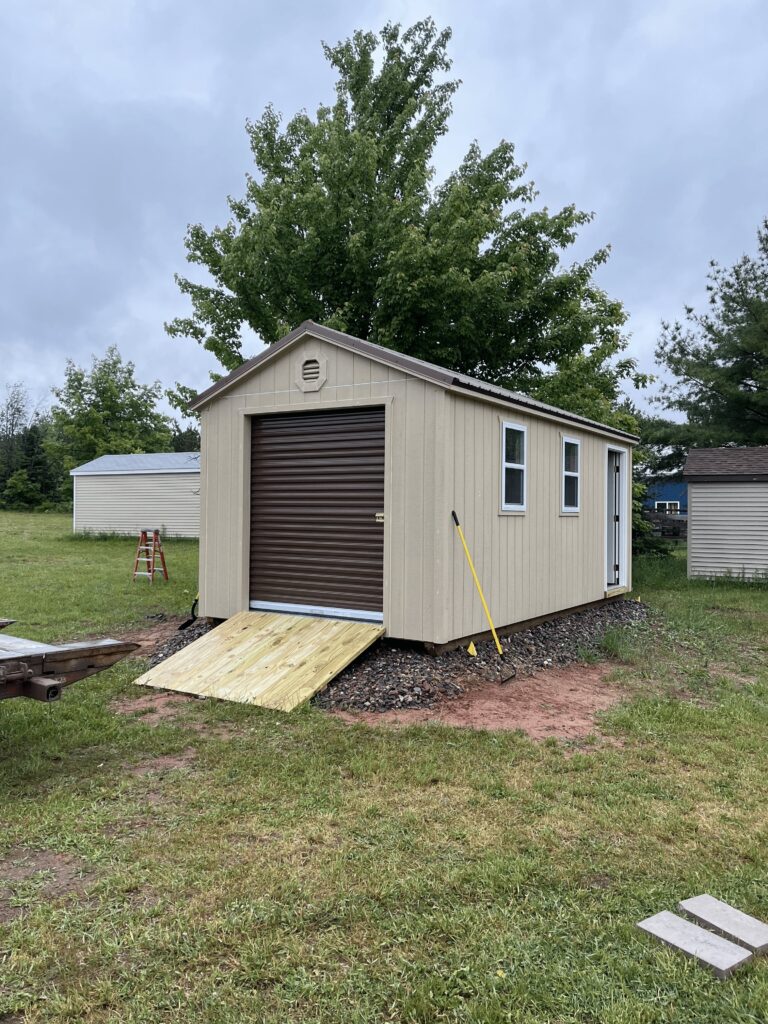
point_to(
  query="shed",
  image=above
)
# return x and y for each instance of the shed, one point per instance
(329, 470)
(727, 511)
(128, 493)
(669, 497)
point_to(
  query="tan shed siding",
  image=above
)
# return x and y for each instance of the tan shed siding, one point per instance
(531, 563)
(127, 503)
(727, 529)
(412, 410)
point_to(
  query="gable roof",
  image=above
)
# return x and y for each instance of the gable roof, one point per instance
(153, 462)
(448, 379)
(742, 465)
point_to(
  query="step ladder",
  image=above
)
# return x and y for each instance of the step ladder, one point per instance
(149, 556)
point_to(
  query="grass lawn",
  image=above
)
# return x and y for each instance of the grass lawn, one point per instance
(300, 870)
(58, 586)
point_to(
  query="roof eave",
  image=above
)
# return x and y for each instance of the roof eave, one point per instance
(436, 375)
(725, 478)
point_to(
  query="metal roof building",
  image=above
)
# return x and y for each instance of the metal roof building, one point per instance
(128, 493)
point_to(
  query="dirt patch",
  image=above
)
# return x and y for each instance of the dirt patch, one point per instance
(161, 706)
(64, 874)
(560, 703)
(163, 763)
(152, 636)
(153, 709)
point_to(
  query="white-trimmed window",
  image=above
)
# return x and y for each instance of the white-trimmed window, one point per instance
(571, 487)
(514, 445)
(671, 508)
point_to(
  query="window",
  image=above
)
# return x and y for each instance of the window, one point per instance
(671, 508)
(571, 469)
(513, 455)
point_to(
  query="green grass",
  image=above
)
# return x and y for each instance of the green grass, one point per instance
(301, 870)
(61, 586)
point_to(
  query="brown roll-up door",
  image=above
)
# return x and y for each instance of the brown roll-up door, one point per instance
(317, 483)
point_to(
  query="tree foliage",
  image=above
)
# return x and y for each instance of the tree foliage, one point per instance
(341, 222)
(28, 477)
(105, 410)
(719, 362)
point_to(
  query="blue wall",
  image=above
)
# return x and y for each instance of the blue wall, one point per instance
(667, 490)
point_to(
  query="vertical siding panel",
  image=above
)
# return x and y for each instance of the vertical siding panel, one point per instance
(413, 509)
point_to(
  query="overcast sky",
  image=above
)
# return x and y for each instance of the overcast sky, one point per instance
(122, 121)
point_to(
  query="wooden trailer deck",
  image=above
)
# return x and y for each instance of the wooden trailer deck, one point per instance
(40, 671)
(270, 659)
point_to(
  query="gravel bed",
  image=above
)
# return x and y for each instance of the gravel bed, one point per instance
(178, 641)
(389, 675)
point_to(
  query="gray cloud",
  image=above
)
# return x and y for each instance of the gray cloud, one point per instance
(122, 122)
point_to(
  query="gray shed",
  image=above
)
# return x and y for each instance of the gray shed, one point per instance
(727, 512)
(329, 470)
(128, 493)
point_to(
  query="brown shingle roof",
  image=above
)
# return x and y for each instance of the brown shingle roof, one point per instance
(739, 464)
(438, 374)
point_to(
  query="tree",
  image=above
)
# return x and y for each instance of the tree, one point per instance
(341, 223)
(15, 416)
(185, 439)
(719, 361)
(21, 492)
(105, 411)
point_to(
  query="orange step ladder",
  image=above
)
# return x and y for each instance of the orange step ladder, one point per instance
(150, 555)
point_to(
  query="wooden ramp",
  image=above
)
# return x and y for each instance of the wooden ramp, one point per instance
(270, 659)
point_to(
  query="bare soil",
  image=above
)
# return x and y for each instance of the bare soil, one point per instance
(157, 707)
(560, 703)
(152, 636)
(160, 706)
(68, 874)
(164, 763)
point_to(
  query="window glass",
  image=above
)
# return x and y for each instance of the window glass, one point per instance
(514, 446)
(513, 455)
(513, 486)
(570, 471)
(571, 457)
(571, 486)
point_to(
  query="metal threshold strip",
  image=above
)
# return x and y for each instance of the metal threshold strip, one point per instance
(356, 614)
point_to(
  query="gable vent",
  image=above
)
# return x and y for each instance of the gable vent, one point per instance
(310, 370)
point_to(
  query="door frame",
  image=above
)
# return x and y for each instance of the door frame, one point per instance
(624, 519)
(248, 414)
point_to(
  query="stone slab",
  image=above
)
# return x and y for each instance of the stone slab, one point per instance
(728, 921)
(721, 955)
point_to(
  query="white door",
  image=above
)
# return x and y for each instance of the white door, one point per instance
(616, 547)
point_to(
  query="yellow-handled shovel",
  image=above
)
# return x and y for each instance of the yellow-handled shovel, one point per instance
(477, 584)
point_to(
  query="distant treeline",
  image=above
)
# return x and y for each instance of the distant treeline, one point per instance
(101, 411)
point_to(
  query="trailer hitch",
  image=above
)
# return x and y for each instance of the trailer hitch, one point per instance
(17, 679)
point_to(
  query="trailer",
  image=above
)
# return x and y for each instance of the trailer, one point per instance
(41, 671)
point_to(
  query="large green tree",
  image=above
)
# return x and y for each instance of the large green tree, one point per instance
(342, 222)
(718, 361)
(105, 410)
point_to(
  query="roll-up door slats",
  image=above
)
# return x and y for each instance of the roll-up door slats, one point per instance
(317, 482)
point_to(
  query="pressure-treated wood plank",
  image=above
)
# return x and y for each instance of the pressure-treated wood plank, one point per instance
(270, 659)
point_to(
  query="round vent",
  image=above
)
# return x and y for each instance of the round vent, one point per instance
(310, 370)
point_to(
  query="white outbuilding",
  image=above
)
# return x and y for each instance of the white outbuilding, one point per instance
(128, 493)
(727, 512)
